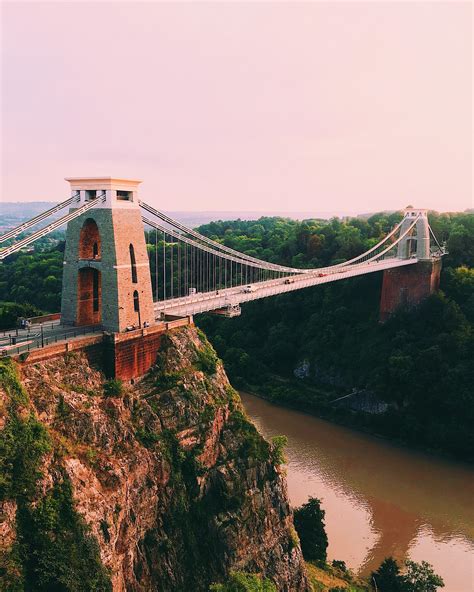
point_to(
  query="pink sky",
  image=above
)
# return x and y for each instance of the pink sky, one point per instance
(241, 106)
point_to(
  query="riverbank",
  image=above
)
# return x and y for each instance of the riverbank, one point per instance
(380, 499)
(392, 425)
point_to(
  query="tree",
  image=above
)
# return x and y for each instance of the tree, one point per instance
(309, 524)
(10, 312)
(420, 577)
(277, 449)
(387, 578)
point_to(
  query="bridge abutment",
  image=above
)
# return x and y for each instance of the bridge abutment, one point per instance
(120, 355)
(408, 286)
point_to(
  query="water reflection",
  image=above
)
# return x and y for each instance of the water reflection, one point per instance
(379, 499)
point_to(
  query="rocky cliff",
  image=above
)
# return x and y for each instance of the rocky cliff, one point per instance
(161, 485)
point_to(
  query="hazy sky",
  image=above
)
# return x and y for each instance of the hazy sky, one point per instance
(241, 106)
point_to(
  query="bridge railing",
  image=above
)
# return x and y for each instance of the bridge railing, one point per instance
(206, 301)
(39, 340)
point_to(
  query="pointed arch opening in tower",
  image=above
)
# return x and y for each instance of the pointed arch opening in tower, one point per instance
(89, 303)
(89, 240)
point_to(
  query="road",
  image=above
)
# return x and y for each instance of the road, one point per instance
(230, 297)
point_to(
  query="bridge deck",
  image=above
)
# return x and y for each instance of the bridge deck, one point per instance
(50, 333)
(209, 301)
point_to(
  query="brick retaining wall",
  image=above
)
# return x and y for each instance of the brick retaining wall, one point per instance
(120, 355)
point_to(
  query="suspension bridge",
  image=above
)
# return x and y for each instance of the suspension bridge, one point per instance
(115, 281)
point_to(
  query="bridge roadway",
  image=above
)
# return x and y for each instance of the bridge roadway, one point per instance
(231, 297)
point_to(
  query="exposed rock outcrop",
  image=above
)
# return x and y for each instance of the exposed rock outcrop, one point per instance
(174, 482)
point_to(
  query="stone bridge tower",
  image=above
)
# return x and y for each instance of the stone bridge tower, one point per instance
(106, 276)
(408, 286)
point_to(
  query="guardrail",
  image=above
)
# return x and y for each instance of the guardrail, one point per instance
(39, 341)
(33, 328)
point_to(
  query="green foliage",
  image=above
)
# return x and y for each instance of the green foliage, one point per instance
(53, 551)
(309, 524)
(113, 387)
(334, 326)
(171, 449)
(56, 548)
(10, 382)
(11, 570)
(22, 445)
(146, 437)
(387, 577)
(62, 410)
(10, 312)
(33, 279)
(167, 380)
(418, 577)
(244, 582)
(253, 446)
(23, 441)
(338, 564)
(91, 456)
(420, 362)
(277, 449)
(206, 360)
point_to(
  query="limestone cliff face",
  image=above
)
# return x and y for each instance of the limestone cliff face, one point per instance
(176, 485)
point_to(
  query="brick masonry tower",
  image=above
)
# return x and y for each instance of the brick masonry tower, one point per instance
(106, 276)
(408, 286)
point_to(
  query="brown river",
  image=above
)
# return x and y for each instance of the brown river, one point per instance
(379, 499)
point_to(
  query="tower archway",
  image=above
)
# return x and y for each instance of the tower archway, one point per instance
(89, 296)
(89, 240)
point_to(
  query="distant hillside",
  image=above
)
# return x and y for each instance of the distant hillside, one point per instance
(13, 213)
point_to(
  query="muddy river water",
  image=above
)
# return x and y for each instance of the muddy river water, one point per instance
(379, 499)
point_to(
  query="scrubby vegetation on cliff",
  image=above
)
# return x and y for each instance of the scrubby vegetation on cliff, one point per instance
(52, 548)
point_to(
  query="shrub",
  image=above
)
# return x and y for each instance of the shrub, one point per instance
(253, 444)
(244, 582)
(309, 524)
(206, 360)
(146, 437)
(277, 449)
(167, 380)
(23, 442)
(113, 387)
(339, 564)
(10, 312)
(56, 547)
(11, 383)
(420, 577)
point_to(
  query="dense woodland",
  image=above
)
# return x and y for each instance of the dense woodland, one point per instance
(420, 362)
